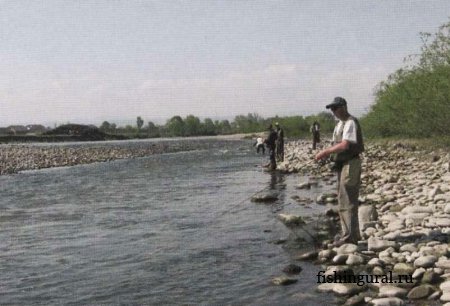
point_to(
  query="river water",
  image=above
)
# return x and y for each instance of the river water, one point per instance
(169, 229)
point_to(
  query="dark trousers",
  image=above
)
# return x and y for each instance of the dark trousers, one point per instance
(260, 147)
(273, 163)
(316, 139)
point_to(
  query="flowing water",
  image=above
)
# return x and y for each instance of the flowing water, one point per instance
(169, 229)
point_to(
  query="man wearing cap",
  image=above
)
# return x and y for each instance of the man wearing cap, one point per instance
(270, 142)
(347, 146)
(280, 143)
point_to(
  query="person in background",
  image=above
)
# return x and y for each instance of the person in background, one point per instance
(270, 142)
(259, 144)
(279, 143)
(347, 146)
(315, 130)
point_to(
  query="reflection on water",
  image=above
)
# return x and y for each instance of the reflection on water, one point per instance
(171, 229)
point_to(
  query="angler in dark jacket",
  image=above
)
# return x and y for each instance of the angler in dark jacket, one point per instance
(270, 142)
(348, 145)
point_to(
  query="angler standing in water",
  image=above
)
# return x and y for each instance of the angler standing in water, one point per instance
(347, 145)
(280, 143)
(315, 130)
(270, 142)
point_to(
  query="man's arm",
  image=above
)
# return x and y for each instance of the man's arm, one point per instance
(339, 147)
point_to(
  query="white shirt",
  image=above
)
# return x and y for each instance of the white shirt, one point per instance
(349, 132)
(259, 141)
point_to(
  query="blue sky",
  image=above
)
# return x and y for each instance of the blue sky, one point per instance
(90, 61)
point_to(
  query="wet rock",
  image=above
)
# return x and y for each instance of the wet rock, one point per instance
(307, 256)
(305, 185)
(325, 287)
(265, 198)
(292, 269)
(283, 281)
(291, 220)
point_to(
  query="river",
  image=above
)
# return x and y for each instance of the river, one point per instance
(168, 229)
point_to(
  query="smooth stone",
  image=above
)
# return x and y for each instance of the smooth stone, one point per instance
(376, 244)
(347, 248)
(410, 247)
(445, 297)
(307, 256)
(378, 271)
(325, 287)
(444, 264)
(283, 281)
(354, 260)
(445, 286)
(420, 292)
(425, 261)
(347, 288)
(403, 268)
(392, 291)
(390, 301)
(447, 208)
(375, 262)
(418, 273)
(327, 254)
(355, 300)
(417, 209)
(340, 259)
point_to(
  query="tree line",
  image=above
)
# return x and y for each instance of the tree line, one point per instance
(415, 100)
(294, 126)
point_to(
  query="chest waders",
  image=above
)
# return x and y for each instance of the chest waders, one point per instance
(348, 167)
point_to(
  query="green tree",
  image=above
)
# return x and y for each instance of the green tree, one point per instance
(192, 126)
(105, 127)
(415, 101)
(152, 130)
(175, 126)
(209, 127)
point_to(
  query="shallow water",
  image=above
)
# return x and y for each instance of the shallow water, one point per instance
(170, 229)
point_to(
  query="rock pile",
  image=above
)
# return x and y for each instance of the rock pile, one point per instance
(405, 225)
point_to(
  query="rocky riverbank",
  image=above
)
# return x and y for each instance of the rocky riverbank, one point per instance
(405, 225)
(16, 158)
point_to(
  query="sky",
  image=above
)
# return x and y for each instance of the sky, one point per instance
(113, 60)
